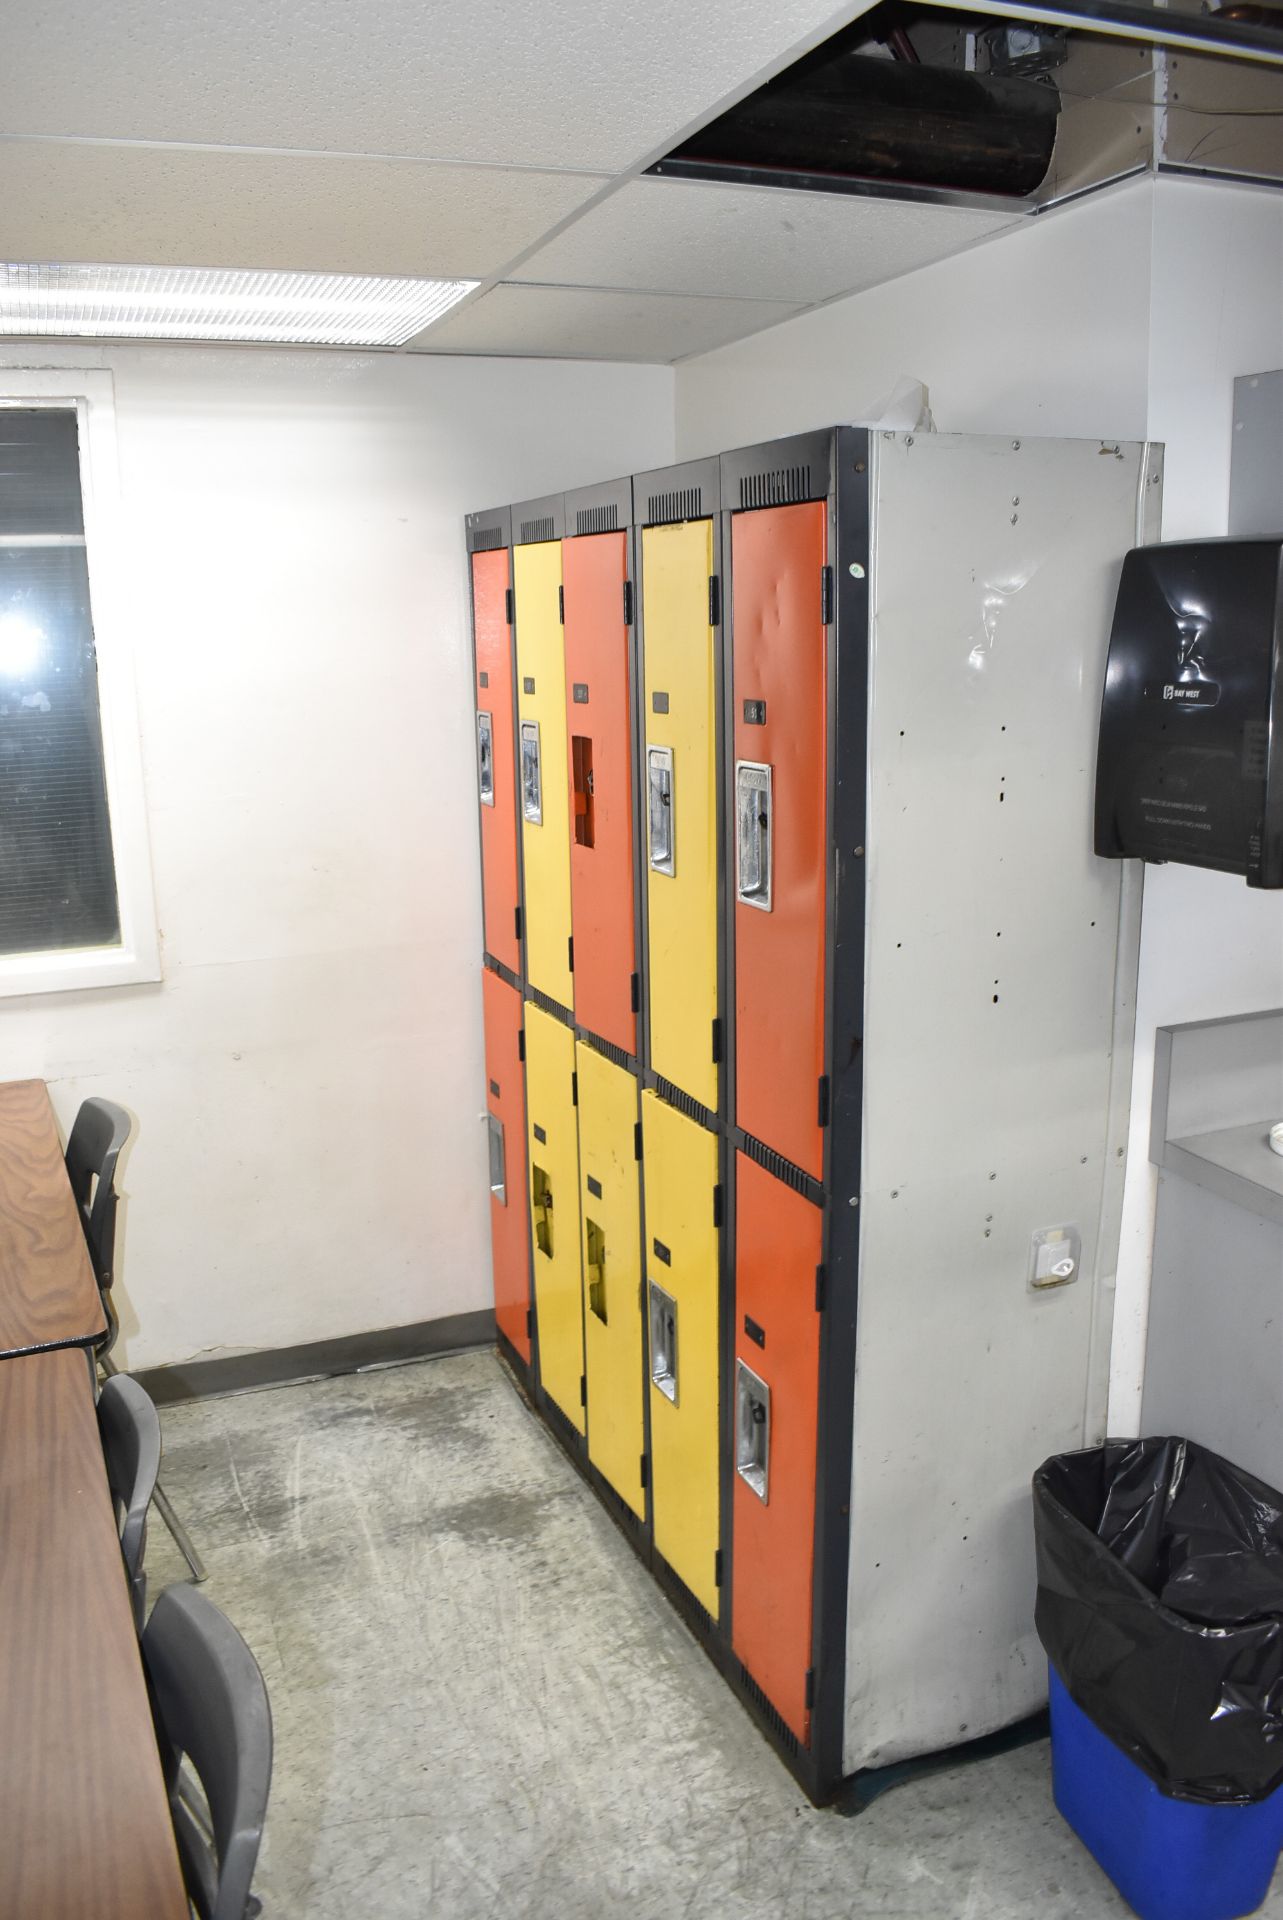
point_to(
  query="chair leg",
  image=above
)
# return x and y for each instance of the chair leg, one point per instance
(182, 1539)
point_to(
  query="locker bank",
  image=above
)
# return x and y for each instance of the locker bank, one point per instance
(827, 1014)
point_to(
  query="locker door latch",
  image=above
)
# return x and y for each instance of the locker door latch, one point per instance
(498, 1174)
(596, 1269)
(659, 787)
(485, 758)
(531, 778)
(663, 1341)
(583, 790)
(541, 1209)
(752, 1430)
(753, 819)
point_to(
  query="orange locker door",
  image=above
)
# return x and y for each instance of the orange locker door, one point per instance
(779, 827)
(776, 1395)
(599, 731)
(496, 763)
(506, 1127)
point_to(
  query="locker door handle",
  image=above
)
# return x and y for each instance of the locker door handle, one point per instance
(531, 775)
(753, 1430)
(663, 1341)
(485, 758)
(753, 827)
(659, 787)
(498, 1164)
(541, 1209)
(583, 789)
(596, 1269)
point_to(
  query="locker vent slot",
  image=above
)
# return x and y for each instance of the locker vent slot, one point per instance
(783, 1169)
(606, 1048)
(582, 779)
(682, 503)
(780, 1728)
(540, 529)
(596, 1247)
(779, 488)
(684, 1104)
(486, 539)
(542, 1000)
(598, 519)
(541, 1209)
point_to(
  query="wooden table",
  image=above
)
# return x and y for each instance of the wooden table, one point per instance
(86, 1828)
(48, 1293)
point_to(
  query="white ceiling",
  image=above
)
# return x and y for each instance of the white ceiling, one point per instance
(498, 142)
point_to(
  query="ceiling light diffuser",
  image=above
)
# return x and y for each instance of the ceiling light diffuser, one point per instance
(215, 303)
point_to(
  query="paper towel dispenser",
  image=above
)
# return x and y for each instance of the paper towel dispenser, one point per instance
(1190, 764)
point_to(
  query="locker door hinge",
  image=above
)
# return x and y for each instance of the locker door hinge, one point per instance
(822, 1104)
(714, 601)
(561, 605)
(717, 1568)
(530, 1323)
(507, 606)
(583, 1389)
(634, 991)
(810, 1687)
(717, 1043)
(717, 1204)
(521, 1043)
(637, 1140)
(628, 603)
(826, 595)
(570, 952)
(574, 1089)
(645, 1472)
(821, 1280)
(516, 921)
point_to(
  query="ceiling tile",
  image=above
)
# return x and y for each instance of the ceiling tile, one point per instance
(574, 323)
(752, 242)
(177, 207)
(567, 83)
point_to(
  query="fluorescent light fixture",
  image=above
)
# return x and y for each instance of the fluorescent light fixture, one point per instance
(215, 303)
(22, 646)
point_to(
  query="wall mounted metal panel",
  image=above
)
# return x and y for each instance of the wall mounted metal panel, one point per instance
(543, 783)
(679, 775)
(681, 1172)
(554, 1206)
(506, 1124)
(496, 756)
(599, 723)
(778, 848)
(777, 1359)
(610, 1204)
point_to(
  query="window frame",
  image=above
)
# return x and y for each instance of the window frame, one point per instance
(136, 957)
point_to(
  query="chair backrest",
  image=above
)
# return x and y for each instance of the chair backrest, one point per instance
(211, 1708)
(98, 1134)
(130, 1429)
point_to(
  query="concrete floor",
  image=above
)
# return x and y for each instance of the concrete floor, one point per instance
(484, 1707)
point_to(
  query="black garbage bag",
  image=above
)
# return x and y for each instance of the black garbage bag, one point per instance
(1160, 1605)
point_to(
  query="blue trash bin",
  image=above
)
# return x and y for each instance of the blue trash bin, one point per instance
(1170, 1859)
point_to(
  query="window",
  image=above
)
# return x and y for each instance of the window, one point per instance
(75, 884)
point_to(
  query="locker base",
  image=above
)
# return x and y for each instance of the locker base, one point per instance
(516, 1365)
(860, 1790)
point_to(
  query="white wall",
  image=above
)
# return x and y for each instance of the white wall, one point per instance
(1124, 315)
(306, 1075)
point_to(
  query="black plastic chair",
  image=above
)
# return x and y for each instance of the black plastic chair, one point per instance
(130, 1429)
(99, 1135)
(211, 1710)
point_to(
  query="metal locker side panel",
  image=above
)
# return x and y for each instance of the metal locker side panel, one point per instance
(1000, 980)
(777, 1353)
(611, 1250)
(680, 721)
(680, 1173)
(541, 718)
(554, 1204)
(599, 724)
(500, 890)
(778, 837)
(506, 1117)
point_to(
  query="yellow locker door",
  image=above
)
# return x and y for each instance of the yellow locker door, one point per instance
(543, 767)
(611, 1212)
(680, 783)
(554, 1207)
(679, 1160)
